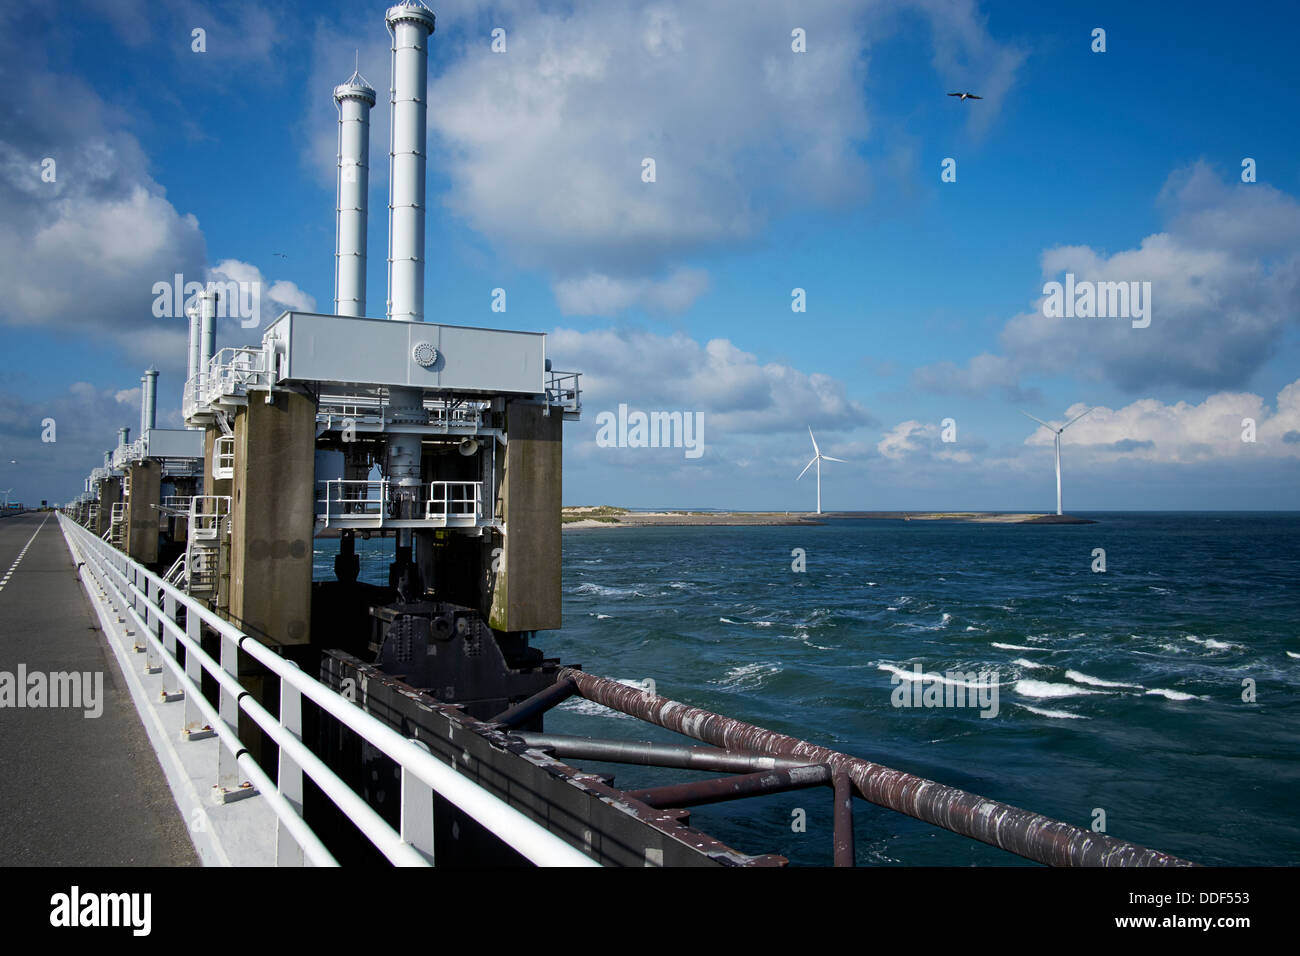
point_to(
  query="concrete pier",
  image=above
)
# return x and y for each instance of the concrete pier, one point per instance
(525, 588)
(110, 493)
(142, 520)
(273, 518)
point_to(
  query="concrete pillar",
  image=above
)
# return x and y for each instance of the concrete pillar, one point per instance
(110, 493)
(525, 589)
(273, 518)
(142, 512)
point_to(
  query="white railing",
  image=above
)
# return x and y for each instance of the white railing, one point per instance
(152, 606)
(206, 515)
(223, 457)
(455, 502)
(565, 389)
(232, 371)
(333, 408)
(178, 574)
(357, 498)
(117, 524)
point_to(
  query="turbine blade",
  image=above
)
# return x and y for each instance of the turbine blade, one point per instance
(1073, 420)
(814, 439)
(806, 467)
(1039, 420)
(829, 458)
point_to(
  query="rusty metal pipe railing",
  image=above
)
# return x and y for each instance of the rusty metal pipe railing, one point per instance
(846, 853)
(1026, 834)
(539, 703)
(656, 755)
(720, 789)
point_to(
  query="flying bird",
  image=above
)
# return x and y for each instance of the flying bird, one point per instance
(280, 254)
(967, 96)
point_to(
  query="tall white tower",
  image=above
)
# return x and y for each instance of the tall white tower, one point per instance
(354, 99)
(148, 401)
(410, 23)
(208, 316)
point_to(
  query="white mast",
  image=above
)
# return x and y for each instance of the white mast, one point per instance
(354, 99)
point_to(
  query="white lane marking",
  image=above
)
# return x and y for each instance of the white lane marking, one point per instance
(13, 567)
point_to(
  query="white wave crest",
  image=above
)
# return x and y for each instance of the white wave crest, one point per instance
(1171, 694)
(1081, 678)
(1058, 714)
(1042, 688)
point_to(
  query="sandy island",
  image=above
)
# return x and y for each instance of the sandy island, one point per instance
(607, 516)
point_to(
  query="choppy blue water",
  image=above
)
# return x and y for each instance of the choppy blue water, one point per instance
(1119, 691)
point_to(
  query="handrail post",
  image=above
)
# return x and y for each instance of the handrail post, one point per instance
(196, 728)
(230, 786)
(168, 605)
(289, 777)
(152, 663)
(417, 809)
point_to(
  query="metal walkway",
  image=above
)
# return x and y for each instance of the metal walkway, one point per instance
(75, 790)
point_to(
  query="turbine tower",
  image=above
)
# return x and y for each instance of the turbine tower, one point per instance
(1057, 432)
(817, 460)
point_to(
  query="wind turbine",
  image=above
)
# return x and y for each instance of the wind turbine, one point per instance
(817, 460)
(1057, 432)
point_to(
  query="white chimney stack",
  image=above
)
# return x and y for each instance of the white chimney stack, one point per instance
(410, 23)
(208, 313)
(148, 401)
(354, 99)
(196, 336)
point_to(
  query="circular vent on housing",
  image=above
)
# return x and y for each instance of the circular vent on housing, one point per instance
(424, 354)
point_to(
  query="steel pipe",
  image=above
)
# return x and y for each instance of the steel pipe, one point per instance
(657, 755)
(720, 789)
(539, 703)
(845, 851)
(1026, 834)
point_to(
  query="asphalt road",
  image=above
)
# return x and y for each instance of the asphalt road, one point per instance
(74, 791)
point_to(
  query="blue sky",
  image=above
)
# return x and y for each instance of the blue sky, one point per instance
(775, 170)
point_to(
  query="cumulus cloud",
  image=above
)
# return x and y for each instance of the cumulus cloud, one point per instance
(82, 252)
(543, 146)
(738, 395)
(272, 297)
(595, 294)
(1225, 287)
(1183, 433)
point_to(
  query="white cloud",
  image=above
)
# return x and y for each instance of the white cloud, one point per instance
(738, 394)
(1185, 433)
(543, 145)
(1225, 286)
(273, 298)
(596, 294)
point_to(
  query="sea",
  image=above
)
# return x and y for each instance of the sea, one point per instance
(1145, 668)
